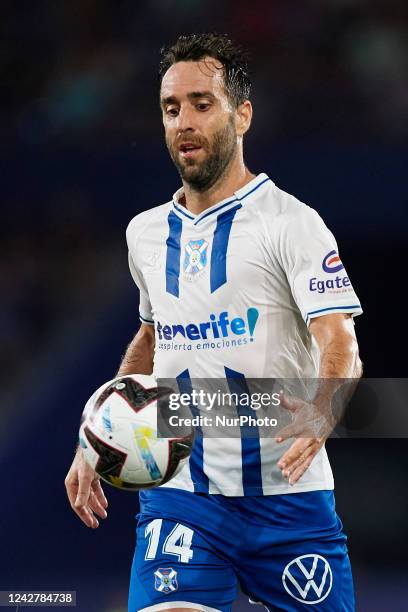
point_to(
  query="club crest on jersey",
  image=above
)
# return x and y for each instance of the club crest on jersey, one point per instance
(195, 259)
(165, 580)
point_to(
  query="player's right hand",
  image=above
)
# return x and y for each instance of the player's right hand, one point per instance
(84, 491)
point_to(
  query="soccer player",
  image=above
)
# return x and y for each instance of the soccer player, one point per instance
(237, 279)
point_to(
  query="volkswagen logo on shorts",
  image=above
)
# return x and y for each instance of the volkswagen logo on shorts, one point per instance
(308, 579)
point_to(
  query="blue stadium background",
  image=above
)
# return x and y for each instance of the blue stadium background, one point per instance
(82, 152)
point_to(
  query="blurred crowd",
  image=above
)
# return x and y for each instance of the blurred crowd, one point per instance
(87, 71)
(55, 261)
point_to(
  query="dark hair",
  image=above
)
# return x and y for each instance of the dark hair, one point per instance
(194, 47)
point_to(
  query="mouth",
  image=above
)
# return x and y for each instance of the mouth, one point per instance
(189, 150)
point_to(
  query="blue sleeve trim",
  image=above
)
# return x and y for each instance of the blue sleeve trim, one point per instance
(255, 188)
(351, 308)
(143, 320)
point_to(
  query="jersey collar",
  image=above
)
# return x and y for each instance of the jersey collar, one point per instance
(236, 198)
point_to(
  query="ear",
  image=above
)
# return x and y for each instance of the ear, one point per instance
(243, 117)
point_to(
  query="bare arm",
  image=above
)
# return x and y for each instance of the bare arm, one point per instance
(82, 484)
(338, 346)
(138, 358)
(339, 359)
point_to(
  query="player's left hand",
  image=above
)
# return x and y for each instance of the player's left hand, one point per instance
(311, 427)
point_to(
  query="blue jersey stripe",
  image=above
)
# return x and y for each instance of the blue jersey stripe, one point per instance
(218, 272)
(198, 218)
(199, 478)
(210, 212)
(173, 254)
(250, 443)
(183, 212)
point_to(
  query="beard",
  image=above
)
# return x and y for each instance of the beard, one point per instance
(201, 176)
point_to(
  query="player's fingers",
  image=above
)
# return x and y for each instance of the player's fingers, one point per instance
(71, 488)
(294, 452)
(97, 489)
(96, 506)
(84, 513)
(298, 473)
(87, 516)
(290, 431)
(78, 487)
(302, 429)
(84, 489)
(292, 466)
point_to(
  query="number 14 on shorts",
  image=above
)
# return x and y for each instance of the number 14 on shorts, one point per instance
(178, 542)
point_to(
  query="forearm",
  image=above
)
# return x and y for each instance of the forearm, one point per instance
(340, 367)
(339, 358)
(314, 421)
(138, 358)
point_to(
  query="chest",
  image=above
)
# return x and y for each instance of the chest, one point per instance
(214, 262)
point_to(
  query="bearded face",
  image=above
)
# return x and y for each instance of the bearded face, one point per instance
(199, 121)
(202, 161)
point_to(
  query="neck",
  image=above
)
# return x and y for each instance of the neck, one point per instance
(235, 177)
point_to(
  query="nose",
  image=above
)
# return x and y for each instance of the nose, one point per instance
(185, 119)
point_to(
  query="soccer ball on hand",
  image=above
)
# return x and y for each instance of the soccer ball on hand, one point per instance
(118, 435)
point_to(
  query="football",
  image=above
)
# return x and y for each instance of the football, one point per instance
(118, 435)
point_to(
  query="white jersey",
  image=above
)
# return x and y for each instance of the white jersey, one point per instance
(234, 289)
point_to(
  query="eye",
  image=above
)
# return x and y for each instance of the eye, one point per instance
(172, 111)
(203, 106)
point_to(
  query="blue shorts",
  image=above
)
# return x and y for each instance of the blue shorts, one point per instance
(287, 552)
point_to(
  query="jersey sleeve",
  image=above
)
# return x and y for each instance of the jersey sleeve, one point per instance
(317, 277)
(145, 309)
